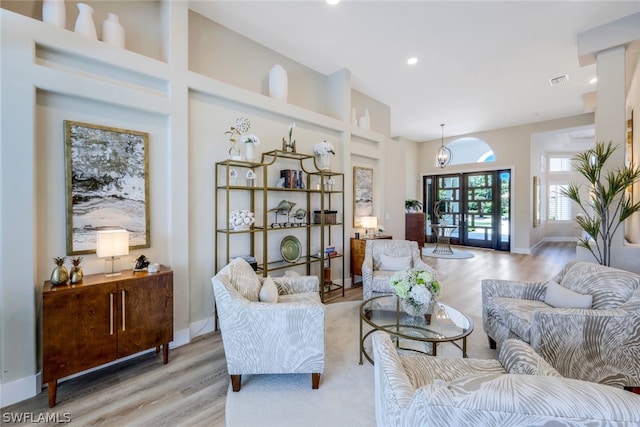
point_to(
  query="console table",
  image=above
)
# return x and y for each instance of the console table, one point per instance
(357, 256)
(102, 319)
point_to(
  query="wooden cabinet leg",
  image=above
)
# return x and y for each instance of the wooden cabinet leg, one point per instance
(158, 348)
(165, 353)
(53, 388)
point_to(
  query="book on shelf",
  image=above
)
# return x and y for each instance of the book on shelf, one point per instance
(292, 178)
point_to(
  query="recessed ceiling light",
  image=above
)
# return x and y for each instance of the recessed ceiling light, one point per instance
(412, 61)
(593, 80)
(333, 2)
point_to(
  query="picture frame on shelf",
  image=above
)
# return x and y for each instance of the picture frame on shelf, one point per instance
(362, 194)
(107, 184)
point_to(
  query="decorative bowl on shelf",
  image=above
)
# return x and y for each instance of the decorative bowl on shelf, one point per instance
(241, 219)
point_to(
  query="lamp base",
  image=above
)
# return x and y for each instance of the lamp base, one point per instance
(112, 267)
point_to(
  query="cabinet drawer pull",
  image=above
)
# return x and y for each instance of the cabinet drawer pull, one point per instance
(110, 314)
(124, 322)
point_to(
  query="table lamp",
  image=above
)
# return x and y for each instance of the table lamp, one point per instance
(112, 244)
(367, 223)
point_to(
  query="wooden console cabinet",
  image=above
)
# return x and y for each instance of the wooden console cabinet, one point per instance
(357, 256)
(414, 228)
(102, 319)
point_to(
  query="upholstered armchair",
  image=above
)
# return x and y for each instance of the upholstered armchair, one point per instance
(382, 258)
(519, 389)
(269, 326)
(585, 321)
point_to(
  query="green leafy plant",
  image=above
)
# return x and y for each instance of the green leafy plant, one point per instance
(412, 205)
(608, 204)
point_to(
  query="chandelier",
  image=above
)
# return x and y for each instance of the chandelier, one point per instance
(444, 155)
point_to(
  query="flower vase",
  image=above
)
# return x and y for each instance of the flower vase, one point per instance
(112, 31)
(84, 23)
(249, 152)
(278, 84)
(322, 161)
(54, 12)
(234, 152)
(415, 308)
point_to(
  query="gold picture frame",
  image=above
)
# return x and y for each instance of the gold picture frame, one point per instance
(536, 201)
(107, 184)
(362, 194)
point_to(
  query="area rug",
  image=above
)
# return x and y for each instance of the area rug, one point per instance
(457, 254)
(345, 397)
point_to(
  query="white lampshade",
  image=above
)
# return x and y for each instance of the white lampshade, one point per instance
(369, 222)
(112, 243)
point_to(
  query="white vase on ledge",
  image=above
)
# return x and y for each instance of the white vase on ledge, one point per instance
(54, 12)
(84, 23)
(278, 84)
(112, 31)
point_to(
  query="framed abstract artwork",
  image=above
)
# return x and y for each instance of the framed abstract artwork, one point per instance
(362, 194)
(107, 184)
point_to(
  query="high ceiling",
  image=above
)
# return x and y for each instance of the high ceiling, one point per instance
(481, 64)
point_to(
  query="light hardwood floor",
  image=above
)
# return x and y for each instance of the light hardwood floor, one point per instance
(191, 389)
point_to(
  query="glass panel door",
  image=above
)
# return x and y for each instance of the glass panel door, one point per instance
(478, 203)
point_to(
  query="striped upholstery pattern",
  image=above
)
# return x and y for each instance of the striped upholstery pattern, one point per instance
(600, 344)
(489, 396)
(377, 282)
(265, 338)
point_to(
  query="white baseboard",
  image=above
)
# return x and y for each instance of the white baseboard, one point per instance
(21, 389)
(525, 251)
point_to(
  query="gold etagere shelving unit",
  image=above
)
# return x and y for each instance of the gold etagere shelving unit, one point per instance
(320, 193)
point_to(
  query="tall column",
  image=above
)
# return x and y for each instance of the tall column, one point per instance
(611, 101)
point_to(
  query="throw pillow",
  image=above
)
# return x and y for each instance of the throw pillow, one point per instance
(243, 278)
(561, 297)
(269, 291)
(393, 263)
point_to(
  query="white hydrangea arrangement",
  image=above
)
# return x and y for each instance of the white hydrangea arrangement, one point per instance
(250, 139)
(415, 285)
(323, 147)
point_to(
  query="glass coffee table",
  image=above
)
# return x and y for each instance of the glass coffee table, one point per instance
(413, 333)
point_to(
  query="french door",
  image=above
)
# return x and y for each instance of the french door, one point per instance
(478, 203)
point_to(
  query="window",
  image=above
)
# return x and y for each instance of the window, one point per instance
(559, 205)
(559, 164)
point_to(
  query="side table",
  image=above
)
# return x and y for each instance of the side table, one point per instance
(357, 257)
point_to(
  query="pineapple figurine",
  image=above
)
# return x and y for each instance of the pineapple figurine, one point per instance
(76, 273)
(59, 275)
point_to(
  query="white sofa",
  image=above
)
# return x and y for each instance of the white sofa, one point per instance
(520, 389)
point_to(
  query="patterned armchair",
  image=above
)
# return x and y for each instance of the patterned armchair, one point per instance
(420, 390)
(280, 337)
(599, 343)
(382, 258)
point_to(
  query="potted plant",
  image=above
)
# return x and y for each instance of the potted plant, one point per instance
(412, 205)
(607, 205)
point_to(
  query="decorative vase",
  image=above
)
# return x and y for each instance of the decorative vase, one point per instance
(112, 31)
(278, 85)
(84, 23)
(367, 118)
(415, 308)
(234, 152)
(54, 12)
(248, 151)
(76, 274)
(59, 275)
(322, 161)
